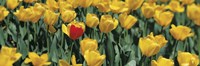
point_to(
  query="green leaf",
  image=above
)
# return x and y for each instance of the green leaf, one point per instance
(2, 41)
(131, 63)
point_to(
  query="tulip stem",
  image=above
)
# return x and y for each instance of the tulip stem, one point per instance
(175, 48)
(142, 60)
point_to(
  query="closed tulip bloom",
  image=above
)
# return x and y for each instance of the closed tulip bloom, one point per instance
(68, 15)
(52, 4)
(3, 12)
(193, 12)
(50, 17)
(187, 1)
(74, 29)
(118, 6)
(38, 11)
(64, 5)
(92, 20)
(29, 1)
(9, 56)
(12, 4)
(95, 2)
(134, 4)
(127, 21)
(151, 1)
(175, 6)
(187, 59)
(162, 62)
(74, 3)
(164, 1)
(107, 23)
(88, 44)
(103, 6)
(148, 10)
(85, 3)
(180, 32)
(37, 60)
(93, 58)
(151, 45)
(163, 18)
(23, 14)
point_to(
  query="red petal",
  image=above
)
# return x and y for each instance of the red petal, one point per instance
(75, 32)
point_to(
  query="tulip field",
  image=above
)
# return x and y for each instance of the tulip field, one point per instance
(99, 32)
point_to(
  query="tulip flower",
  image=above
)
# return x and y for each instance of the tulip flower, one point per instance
(3, 12)
(163, 18)
(107, 23)
(9, 56)
(52, 4)
(193, 12)
(12, 4)
(37, 60)
(23, 14)
(93, 58)
(148, 10)
(95, 2)
(74, 29)
(65, 63)
(151, 45)
(68, 15)
(162, 62)
(151, 1)
(180, 32)
(103, 6)
(187, 59)
(175, 6)
(85, 3)
(29, 1)
(187, 1)
(127, 21)
(134, 4)
(88, 44)
(118, 6)
(164, 1)
(38, 11)
(64, 5)
(92, 20)
(74, 3)
(50, 18)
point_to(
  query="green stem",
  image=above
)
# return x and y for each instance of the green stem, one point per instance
(142, 60)
(47, 36)
(175, 48)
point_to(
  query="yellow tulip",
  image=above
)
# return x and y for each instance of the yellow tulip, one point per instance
(180, 32)
(95, 2)
(103, 6)
(92, 20)
(93, 58)
(175, 6)
(163, 18)
(85, 3)
(118, 6)
(107, 23)
(9, 56)
(193, 12)
(127, 21)
(187, 1)
(151, 1)
(148, 10)
(52, 4)
(37, 60)
(64, 5)
(74, 29)
(187, 59)
(50, 17)
(74, 3)
(164, 1)
(12, 4)
(3, 12)
(65, 63)
(23, 14)
(134, 4)
(68, 15)
(38, 11)
(151, 45)
(162, 62)
(29, 1)
(88, 44)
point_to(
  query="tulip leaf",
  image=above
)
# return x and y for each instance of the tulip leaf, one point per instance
(53, 50)
(2, 42)
(23, 48)
(131, 63)
(110, 51)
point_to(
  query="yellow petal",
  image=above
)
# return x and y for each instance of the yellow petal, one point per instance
(63, 63)
(65, 29)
